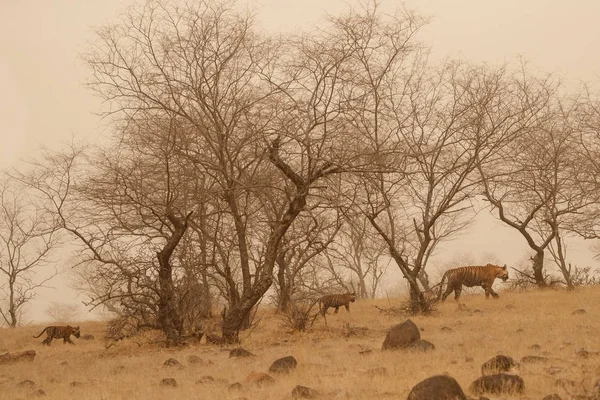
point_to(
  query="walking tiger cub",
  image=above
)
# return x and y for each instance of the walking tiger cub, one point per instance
(59, 332)
(472, 276)
(336, 301)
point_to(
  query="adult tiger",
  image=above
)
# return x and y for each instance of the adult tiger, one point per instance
(336, 301)
(483, 276)
(59, 332)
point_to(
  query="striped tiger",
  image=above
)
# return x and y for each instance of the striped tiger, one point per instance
(59, 332)
(336, 301)
(472, 276)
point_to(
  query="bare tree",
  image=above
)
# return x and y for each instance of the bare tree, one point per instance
(27, 238)
(62, 312)
(541, 185)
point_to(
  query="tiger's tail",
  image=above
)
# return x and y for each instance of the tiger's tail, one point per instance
(45, 329)
(439, 296)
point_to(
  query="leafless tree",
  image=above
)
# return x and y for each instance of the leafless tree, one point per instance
(27, 238)
(62, 312)
(541, 186)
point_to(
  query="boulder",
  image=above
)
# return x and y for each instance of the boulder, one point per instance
(283, 365)
(438, 387)
(401, 336)
(9, 358)
(304, 392)
(497, 364)
(498, 384)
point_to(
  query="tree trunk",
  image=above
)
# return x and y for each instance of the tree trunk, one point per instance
(168, 313)
(284, 300)
(538, 268)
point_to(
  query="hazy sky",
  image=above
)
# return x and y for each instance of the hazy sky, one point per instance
(42, 100)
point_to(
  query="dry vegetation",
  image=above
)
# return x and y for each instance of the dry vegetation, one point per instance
(329, 358)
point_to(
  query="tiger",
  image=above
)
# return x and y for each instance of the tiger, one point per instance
(58, 332)
(472, 276)
(336, 301)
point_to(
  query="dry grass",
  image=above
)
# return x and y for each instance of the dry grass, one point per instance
(329, 360)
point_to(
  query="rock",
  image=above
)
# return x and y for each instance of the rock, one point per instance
(554, 370)
(533, 359)
(168, 382)
(552, 397)
(401, 336)
(366, 352)
(520, 330)
(535, 347)
(240, 352)
(27, 383)
(77, 384)
(283, 365)
(381, 371)
(235, 386)
(64, 363)
(497, 364)
(304, 392)
(9, 358)
(194, 359)
(579, 311)
(87, 336)
(206, 379)
(421, 345)
(39, 393)
(213, 339)
(171, 362)
(498, 384)
(468, 359)
(439, 387)
(446, 329)
(259, 379)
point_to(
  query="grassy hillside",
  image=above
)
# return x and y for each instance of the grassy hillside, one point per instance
(331, 359)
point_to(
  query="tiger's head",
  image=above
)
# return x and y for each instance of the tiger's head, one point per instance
(76, 332)
(352, 296)
(501, 272)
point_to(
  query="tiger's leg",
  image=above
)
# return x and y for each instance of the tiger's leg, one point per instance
(457, 292)
(449, 290)
(68, 340)
(494, 294)
(48, 340)
(337, 308)
(487, 291)
(347, 307)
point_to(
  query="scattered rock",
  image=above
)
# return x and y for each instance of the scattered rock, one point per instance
(206, 379)
(520, 330)
(498, 384)
(259, 379)
(240, 352)
(39, 393)
(235, 386)
(497, 364)
(533, 359)
(77, 384)
(437, 387)
(583, 353)
(381, 371)
(171, 362)
(304, 392)
(468, 359)
(579, 311)
(213, 339)
(194, 359)
(27, 383)
(283, 365)
(9, 358)
(64, 363)
(552, 397)
(446, 329)
(554, 370)
(510, 306)
(535, 347)
(366, 352)
(401, 336)
(422, 345)
(87, 336)
(168, 382)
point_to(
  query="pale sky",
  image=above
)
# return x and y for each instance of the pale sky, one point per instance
(42, 100)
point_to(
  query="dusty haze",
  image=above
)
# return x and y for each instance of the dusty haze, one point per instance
(43, 102)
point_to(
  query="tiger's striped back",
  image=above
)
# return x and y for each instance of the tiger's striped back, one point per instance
(483, 276)
(59, 332)
(336, 301)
